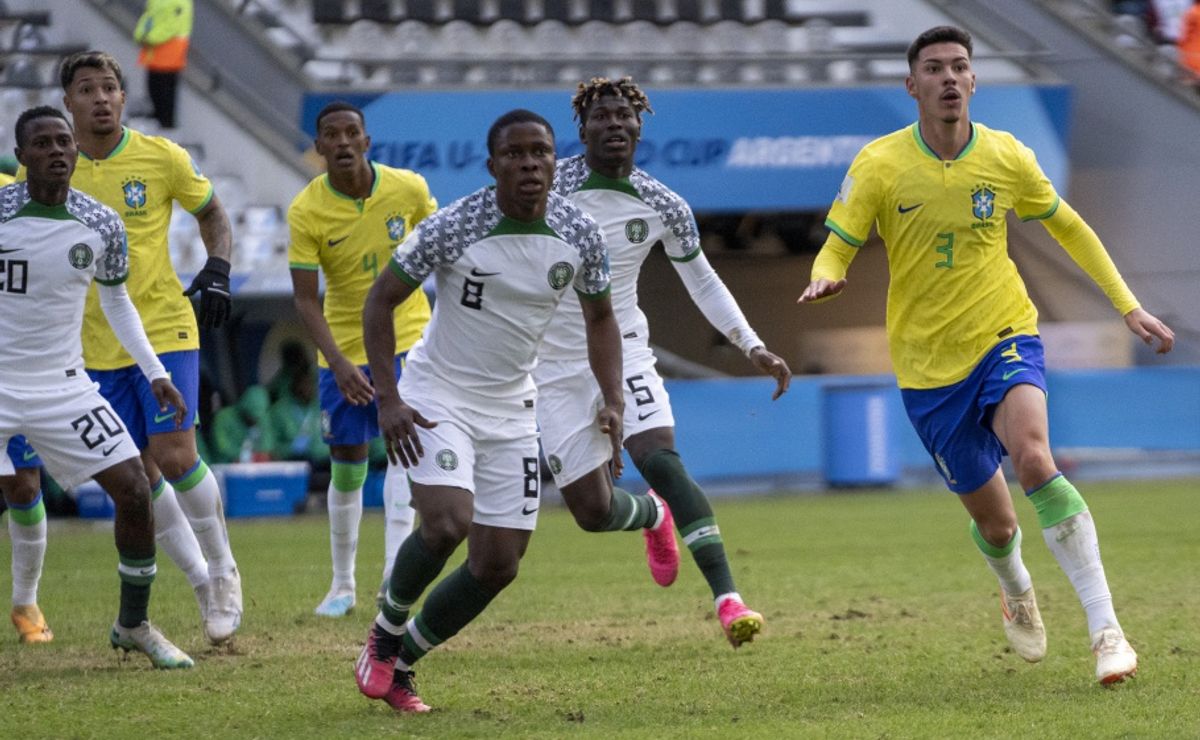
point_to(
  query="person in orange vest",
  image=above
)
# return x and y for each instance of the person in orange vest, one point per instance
(163, 32)
(1189, 40)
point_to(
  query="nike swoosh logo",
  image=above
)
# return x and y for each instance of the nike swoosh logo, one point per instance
(29, 455)
(1011, 373)
(335, 242)
(527, 511)
(475, 272)
(9, 251)
(160, 418)
(643, 417)
(109, 450)
(902, 209)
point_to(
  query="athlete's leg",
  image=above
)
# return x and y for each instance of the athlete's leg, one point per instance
(398, 515)
(348, 472)
(27, 529)
(1021, 423)
(599, 506)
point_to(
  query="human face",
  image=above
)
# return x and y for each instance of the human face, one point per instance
(523, 165)
(342, 141)
(49, 153)
(942, 82)
(610, 133)
(95, 101)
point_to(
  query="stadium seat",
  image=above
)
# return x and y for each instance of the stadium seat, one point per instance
(569, 12)
(429, 11)
(380, 11)
(329, 12)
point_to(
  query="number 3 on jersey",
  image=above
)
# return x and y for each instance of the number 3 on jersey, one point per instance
(945, 247)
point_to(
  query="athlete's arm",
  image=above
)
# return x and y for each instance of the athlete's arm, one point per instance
(127, 326)
(216, 296)
(351, 381)
(1085, 248)
(604, 356)
(829, 270)
(397, 420)
(712, 297)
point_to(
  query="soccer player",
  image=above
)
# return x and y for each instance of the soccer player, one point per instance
(503, 257)
(345, 223)
(27, 529)
(637, 213)
(56, 242)
(140, 176)
(963, 332)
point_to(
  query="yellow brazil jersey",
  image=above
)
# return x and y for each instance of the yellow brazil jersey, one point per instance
(5, 179)
(349, 240)
(953, 292)
(140, 179)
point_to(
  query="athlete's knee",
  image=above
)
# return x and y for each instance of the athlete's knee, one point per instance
(1033, 464)
(23, 488)
(495, 573)
(443, 533)
(590, 510)
(997, 530)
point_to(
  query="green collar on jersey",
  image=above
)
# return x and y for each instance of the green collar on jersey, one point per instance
(125, 136)
(343, 196)
(596, 181)
(34, 209)
(916, 129)
(512, 227)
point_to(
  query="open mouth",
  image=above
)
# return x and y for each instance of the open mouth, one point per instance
(531, 187)
(58, 166)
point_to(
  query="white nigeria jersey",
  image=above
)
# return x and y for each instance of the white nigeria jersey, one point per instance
(635, 214)
(499, 282)
(49, 255)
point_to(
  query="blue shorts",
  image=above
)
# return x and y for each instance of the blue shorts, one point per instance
(129, 393)
(343, 423)
(955, 422)
(22, 453)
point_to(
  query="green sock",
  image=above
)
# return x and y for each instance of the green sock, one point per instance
(414, 569)
(664, 471)
(451, 605)
(1055, 501)
(629, 512)
(136, 576)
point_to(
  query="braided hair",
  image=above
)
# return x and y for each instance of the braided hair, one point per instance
(589, 92)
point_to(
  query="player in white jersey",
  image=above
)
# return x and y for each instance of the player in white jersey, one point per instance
(503, 258)
(54, 241)
(636, 213)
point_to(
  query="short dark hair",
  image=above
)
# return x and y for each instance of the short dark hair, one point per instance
(939, 35)
(519, 115)
(33, 114)
(101, 60)
(338, 106)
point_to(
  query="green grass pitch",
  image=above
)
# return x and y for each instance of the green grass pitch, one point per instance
(881, 621)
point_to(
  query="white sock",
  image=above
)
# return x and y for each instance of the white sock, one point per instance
(202, 505)
(345, 513)
(1010, 570)
(397, 515)
(174, 536)
(731, 595)
(28, 553)
(1077, 550)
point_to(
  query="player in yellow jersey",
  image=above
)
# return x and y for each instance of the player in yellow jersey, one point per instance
(141, 177)
(5, 179)
(345, 224)
(963, 332)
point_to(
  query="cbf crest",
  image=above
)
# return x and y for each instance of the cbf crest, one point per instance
(560, 275)
(134, 191)
(983, 201)
(636, 230)
(395, 226)
(80, 256)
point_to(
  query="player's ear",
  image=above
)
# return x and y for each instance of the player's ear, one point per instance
(491, 167)
(911, 86)
(367, 139)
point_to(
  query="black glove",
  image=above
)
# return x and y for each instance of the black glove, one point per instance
(215, 295)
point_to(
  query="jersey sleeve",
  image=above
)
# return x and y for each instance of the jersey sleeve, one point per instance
(682, 237)
(112, 268)
(303, 243)
(858, 201)
(1037, 200)
(425, 203)
(592, 277)
(188, 186)
(434, 242)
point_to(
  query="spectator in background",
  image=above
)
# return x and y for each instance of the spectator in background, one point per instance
(294, 419)
(240, 432)
(1189, 41)
(163, 32)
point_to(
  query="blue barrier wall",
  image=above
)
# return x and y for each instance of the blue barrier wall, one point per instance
(730, 428)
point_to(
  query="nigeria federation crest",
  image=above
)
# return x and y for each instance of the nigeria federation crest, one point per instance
(555, 464)
(135, 193)
(983, 202)
(80, 256)
(560, 275)
(395, 227)
(636, 230)
(446, 459)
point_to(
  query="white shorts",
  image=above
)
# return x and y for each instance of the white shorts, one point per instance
(495, 458)
(75, 431)
(568, 400)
